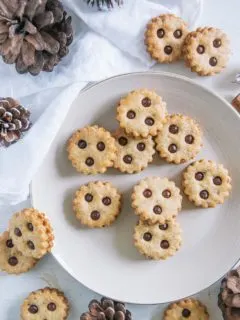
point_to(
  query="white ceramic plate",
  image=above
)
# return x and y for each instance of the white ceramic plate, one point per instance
(106, 260)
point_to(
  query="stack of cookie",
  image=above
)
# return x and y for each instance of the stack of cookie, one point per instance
(205, 50)
(29, 238)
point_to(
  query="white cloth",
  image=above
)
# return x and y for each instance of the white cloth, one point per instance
(106, 44)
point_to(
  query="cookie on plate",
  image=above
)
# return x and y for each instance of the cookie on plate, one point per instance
(97, 204)
(31, 233)
(91, 150)
(158, 241)
(206, 51)
(206, 183)
(13, 261)
(141, 113)
(179, 140)
(133, 154)
(47, 303)
(187, 308)
(164, 37)
(156, 199)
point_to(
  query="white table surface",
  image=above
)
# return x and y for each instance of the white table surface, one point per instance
(13, 289)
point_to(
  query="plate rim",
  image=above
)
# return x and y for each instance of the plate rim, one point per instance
(126, 75)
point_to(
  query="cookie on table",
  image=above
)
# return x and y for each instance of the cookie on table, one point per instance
(97, 204)
(158, 241)
(31, 233)
(179, 140)
(165, 36)
(13, 261)
(91, 150)
(186, 309)
(206, 183)
(156, 199)
(133, 154)
(206, 51)
(141, 113)
(47, 303)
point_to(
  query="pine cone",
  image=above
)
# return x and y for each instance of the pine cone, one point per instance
(34, 34)
(107, 309)
(104, 3)
(14, 121)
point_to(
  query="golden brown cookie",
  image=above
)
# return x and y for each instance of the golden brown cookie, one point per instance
(206, 183)
(91, 150)
(158, 241)
(141, 113)
(186, 309)
(31, 233)
(206, 51)
(179, 140)
(164, 37)
(133, 154)
(97, 204)
(45, 304)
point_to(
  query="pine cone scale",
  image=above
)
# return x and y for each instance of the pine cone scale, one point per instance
(28, 53)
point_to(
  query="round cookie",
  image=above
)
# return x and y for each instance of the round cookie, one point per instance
(158, 241)
(190, 309)
(141, 113)
(31, 233)
(165, 36)
(156, 199)
(206, 183)
(47, 303)
(133, 154)
(206, 51)
(97, 204)
(179, 140)
(91, 150)
(11, 260)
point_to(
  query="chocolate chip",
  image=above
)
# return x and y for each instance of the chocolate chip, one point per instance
(51, 306)
(168, 50)
(9, 243)
(95, 215)
(149, 121)
(166, 193)
(122, 141)
(164, 244)
(217, 43)
(141, 146)
(199, 176)
(131, 114)
(160, 33)
(30, 226)
(200, 49)
(213, 61)
(147, 236)
(17, 232)
(82, 144)
(89, 161)
(173, 128)
(172, 148)
(13, 261)
(157, 209)
(189, 139)
(163, 226)
(177, 33)
(106, 201)
(217, 181)
(30, 245)
(101, 146)
(146, 102)
(147, 193)
(88, 197)
(204, 194)
(127, 159)
(186, 313)
(33, 309)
